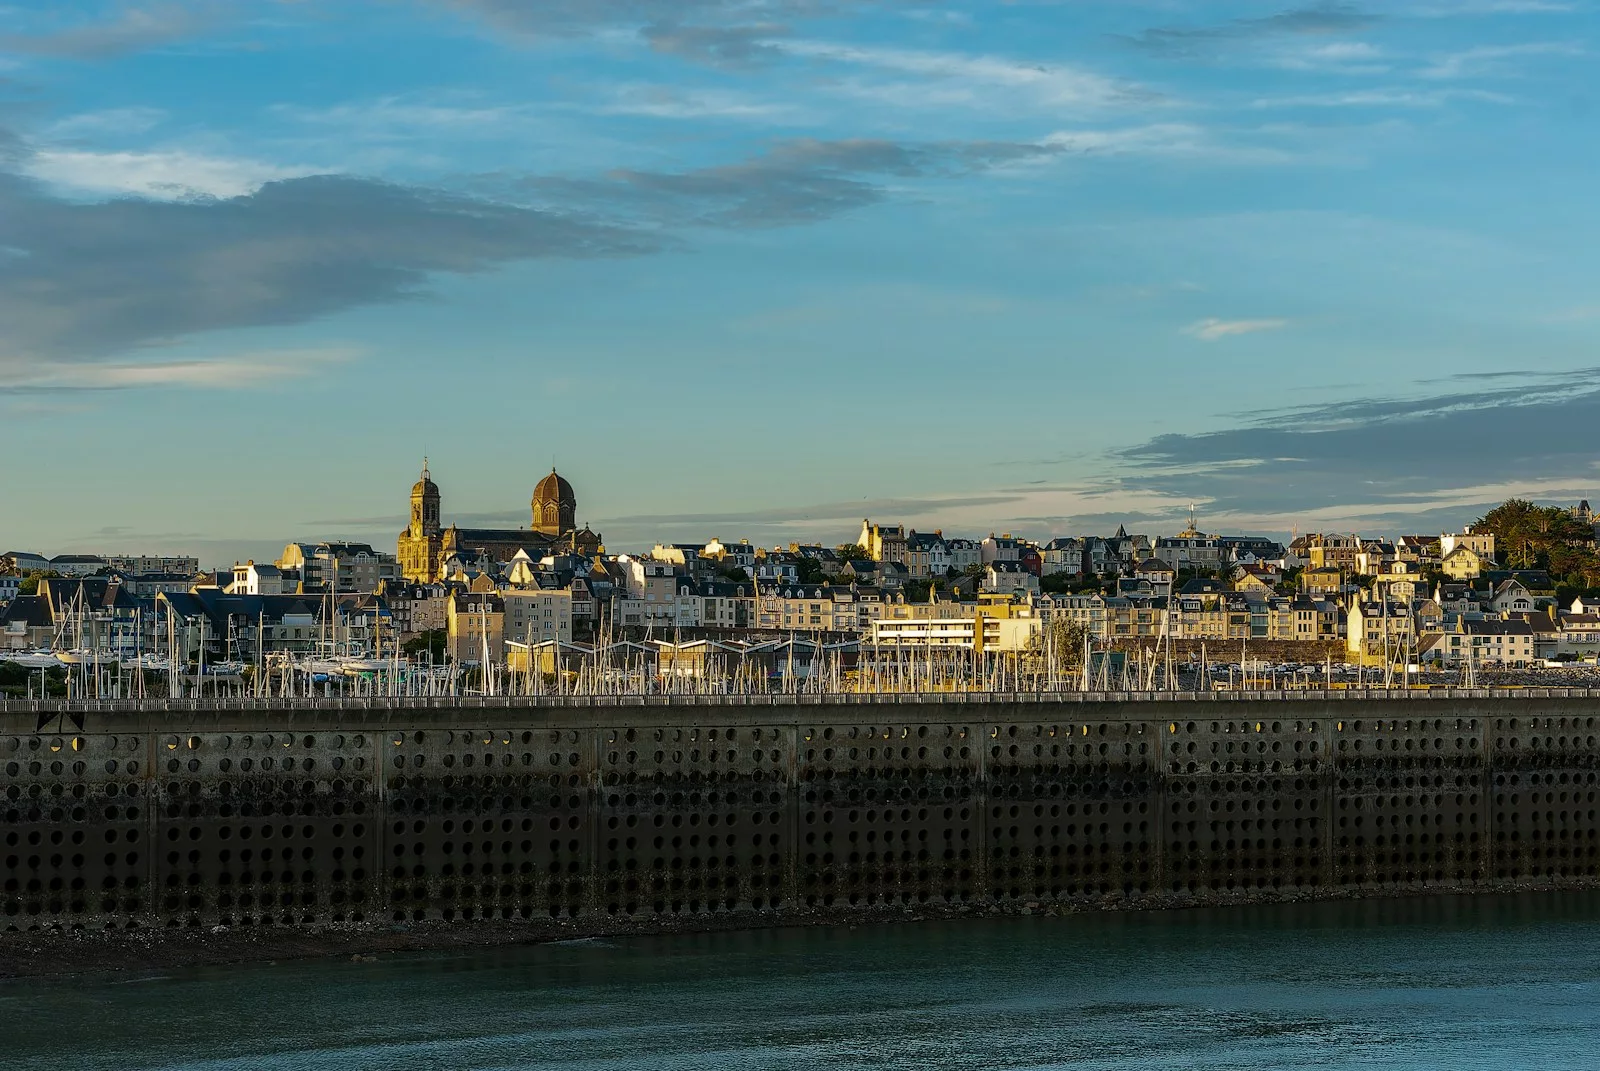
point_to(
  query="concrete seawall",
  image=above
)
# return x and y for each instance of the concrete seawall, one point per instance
(686, 812)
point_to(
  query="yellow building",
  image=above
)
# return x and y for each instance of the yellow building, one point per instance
(1463, 563)
(884, 542)
(477, 628)
(1330, 551)
(1376, 629)
(1254, 586)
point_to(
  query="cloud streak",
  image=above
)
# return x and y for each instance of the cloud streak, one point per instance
(1487, 438)
(800, 181)
(246, 371)
(134, 28)
(1317, 19)
(1493, 60)
(86, 281)
(718, 46)
(1212, 329)
(168, 175)
(1048, 85)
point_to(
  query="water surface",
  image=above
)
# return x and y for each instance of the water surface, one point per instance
(1461, 983)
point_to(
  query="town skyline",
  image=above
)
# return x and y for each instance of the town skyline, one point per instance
(782, 528)
(778, 265)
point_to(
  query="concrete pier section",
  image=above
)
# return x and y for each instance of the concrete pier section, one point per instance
(685, 811)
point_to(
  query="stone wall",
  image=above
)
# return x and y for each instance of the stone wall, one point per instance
(682, 810)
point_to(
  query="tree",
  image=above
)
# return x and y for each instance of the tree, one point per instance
(1062, 638)
(1541, 537)
(16, 680)
(432, 642)
(852, 552)
(811, 571)
(30, 583)
(1058, 583)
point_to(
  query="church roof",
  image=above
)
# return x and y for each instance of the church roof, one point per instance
(484, 537)
(554, 488)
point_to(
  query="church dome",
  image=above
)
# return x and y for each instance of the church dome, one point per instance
(553, 488)
(555, 507)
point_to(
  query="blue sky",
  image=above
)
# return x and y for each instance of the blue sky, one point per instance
(761, 267)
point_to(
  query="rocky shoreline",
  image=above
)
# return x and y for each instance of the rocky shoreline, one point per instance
(85, 952)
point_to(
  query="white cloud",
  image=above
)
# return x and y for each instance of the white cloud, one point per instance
(1174, 139)
(1493, 7)
(1212, 329)
(674, 102)
(170, 175)
(1336, 57)
(1383, 98)
(243, 371)
(1491, 60)
(114, 121)
(977, 76)
(389, 116)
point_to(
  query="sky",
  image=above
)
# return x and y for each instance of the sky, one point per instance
(760, 268)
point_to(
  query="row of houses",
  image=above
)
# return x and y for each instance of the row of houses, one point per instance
(101, 614)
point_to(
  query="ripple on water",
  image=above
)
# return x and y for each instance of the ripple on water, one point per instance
(1478, 984)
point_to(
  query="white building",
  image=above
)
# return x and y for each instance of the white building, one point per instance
(149, 564)
(1063, 555)
(1009, 578)
(22, 562)
(1481, 543)
(536, 615)
(253, 579)
(340, 567)
(1003, 634)
(77, 564)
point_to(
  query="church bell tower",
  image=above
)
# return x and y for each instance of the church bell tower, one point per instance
(424, 506)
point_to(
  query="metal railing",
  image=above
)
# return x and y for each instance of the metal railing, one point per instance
(585, 702)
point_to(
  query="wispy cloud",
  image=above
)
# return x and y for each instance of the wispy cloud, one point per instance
(240, 371)
(1394, 97)
(1494, 60)
(1367, 456)
(718, 33)
(719, 46)
(120, 122)
(975, 77)
(171, 175)
(680, 102)
(1212, 329)
(81, 281)
(1188, 140)
(798, 181)
(1452, 8)
(1333, 57)
(1317, 19)
(85, 281)
(132, 28)
(405, 116)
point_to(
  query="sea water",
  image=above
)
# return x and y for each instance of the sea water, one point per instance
(1459, 982)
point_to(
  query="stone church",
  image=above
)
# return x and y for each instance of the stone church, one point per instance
(426, 545)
